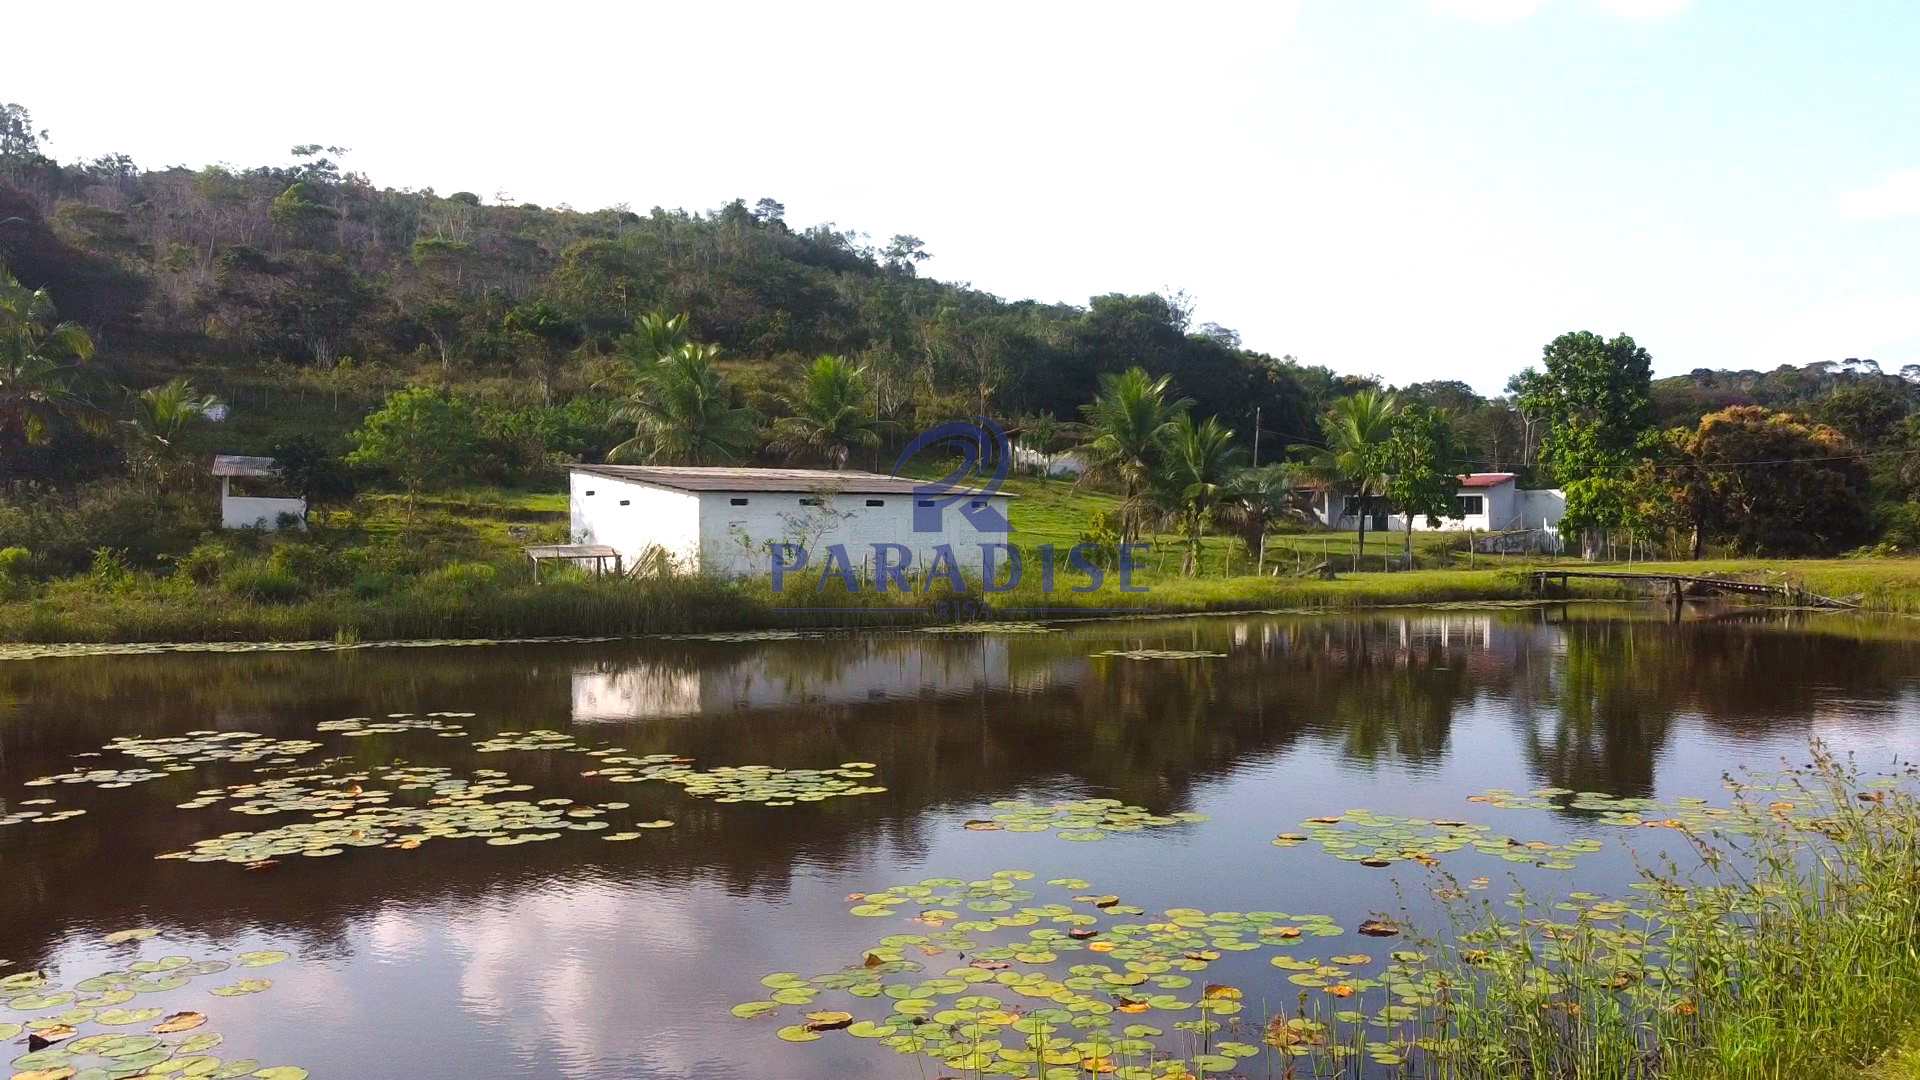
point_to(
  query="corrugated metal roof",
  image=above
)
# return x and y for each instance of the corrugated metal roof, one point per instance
(799, 481)
(241, 465)
(1485, 479)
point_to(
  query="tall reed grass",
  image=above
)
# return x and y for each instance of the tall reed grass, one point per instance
(1791, 951)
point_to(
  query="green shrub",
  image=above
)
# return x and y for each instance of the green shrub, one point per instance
(264, 585)
(205, 563)
(110, 572)
(15, 563)
(64, 530)
(308, 563)
(372, 586)
(458, 579)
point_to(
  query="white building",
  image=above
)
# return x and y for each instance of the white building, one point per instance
(254, 511)
(730, 520)
(1485, 502)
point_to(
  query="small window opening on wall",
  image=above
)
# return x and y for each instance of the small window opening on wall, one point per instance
(809, 502)
(876, 502)
(928, 503)
(589, 491)
(979, 504)
(626, 502)
(737, 502)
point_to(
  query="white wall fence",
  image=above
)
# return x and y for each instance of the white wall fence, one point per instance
(250, 512)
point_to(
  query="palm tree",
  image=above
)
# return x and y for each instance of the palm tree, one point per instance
(830, 413)
(684, 413)
(1126, 425)
(160, 414)
(1355, 430)
(1199, 460)
(41, 365)
(1253, 501)
(655, 335)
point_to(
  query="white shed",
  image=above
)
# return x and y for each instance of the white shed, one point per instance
(253, 511)
(728, 520)
(1484, 502)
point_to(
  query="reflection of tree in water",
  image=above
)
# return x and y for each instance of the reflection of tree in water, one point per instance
(1380, 689)
(1598, 717)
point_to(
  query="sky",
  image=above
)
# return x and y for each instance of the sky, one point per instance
(1414, 189)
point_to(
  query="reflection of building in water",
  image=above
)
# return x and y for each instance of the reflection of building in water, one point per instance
(789, 673)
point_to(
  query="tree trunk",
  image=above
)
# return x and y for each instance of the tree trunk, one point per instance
(1409, 541)
(1695, 543)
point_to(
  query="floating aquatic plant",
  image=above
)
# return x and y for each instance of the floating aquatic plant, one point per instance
(1380, 840)
(1078, 992)
(1081, 820)
(395, 724)
(29, 810)
(162, 1043)
(761, 784)
(1162, 654)
(989, 628)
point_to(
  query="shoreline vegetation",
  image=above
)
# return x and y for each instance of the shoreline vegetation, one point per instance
(479, 600)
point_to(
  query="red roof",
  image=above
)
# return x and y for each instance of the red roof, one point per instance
(1485, 479)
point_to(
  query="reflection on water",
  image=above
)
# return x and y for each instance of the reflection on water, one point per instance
(580, 958)
(843, 672)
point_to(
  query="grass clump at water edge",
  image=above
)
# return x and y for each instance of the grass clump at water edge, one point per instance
(1792, 950)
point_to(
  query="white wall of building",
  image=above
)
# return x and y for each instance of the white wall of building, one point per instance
(1503, 507)
(630, 517)
(248, 512)
(734, 538)
(728, 533)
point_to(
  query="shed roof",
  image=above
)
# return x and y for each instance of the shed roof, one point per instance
(1485, 479)
(241, 465)
(801, 481)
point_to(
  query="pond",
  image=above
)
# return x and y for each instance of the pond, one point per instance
(613, 935)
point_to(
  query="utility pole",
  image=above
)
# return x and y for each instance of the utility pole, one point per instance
(1256, 436)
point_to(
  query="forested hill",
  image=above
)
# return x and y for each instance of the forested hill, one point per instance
(307, 264)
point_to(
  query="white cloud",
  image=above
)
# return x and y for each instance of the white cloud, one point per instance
(1896, 194)
(1488, 11)
(1499, 11)
(1644, 9)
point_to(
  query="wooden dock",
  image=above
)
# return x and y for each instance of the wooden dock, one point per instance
(1678, 587)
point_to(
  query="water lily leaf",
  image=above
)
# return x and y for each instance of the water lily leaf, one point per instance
(280, 1072)
(241, 988)
(1379, 928)
(747, 1010)
(118, 1017)
(797, 1033)
(867, 1029)
(261, 958)
(120, 937)
(828, 1021)
(58, 1072)
(178, 1022)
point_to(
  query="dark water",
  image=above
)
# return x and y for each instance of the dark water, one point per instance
(580, 958)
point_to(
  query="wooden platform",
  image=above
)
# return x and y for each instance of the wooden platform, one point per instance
(1679, 586)
(598, 554)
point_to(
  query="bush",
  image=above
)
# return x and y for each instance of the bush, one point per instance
(308, 564)
(110, 572)
(264, 585)
(205, 563)
(458, 579)
(15, 564)
(64, 531)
